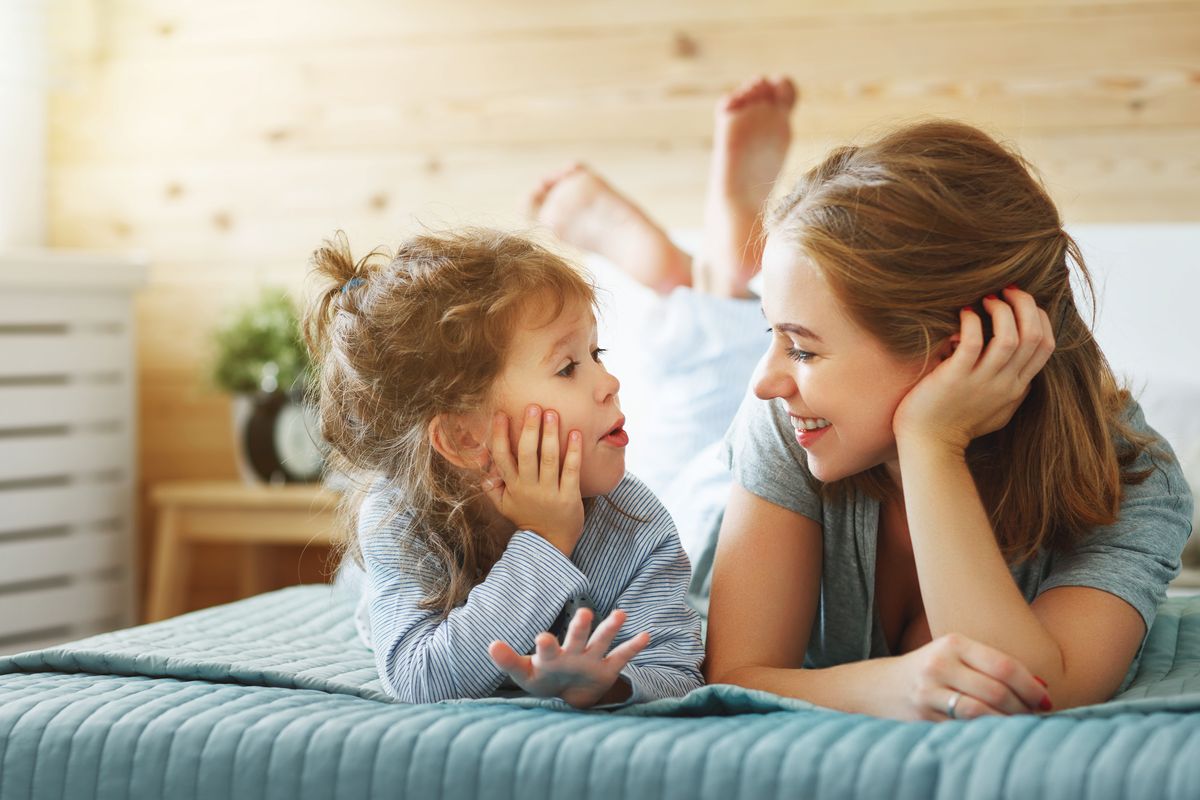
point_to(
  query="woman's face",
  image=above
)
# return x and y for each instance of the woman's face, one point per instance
(827, 370)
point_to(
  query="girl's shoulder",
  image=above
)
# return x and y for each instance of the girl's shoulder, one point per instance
(632, 505)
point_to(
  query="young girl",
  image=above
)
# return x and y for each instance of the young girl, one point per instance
(478, 551)
(941, 493)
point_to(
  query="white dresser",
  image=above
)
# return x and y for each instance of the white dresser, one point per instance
(68, 453)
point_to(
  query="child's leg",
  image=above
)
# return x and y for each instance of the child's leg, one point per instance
(750, 141)
(584, 211)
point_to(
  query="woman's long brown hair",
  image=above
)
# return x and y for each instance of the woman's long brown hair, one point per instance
(930, 218)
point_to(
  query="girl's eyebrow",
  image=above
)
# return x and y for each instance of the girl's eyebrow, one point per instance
(791, 327)
(559, 345)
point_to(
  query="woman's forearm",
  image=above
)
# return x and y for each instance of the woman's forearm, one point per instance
(966, 585)
(860, 687)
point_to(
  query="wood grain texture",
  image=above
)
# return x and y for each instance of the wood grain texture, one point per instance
(225, 139)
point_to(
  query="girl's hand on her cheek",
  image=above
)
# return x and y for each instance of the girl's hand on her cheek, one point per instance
(581, 671)
(977, 389)
(531, 491)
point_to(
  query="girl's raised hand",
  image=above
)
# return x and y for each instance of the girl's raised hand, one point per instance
(531, 492)
(977, 389)
(581, 671)
(954, 677)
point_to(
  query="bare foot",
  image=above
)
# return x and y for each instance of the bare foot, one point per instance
(580, 208)
(750, 142)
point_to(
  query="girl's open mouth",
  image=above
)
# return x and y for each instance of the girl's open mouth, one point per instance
(617, 437)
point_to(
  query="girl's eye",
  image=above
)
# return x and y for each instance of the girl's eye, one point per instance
(568, 370)
(599, 351)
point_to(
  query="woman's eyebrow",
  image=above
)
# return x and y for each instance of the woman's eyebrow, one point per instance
(791, 327)
(799, 330)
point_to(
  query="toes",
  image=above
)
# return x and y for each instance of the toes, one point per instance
(785, 91)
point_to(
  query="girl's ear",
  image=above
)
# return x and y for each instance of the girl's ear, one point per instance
(454, 441)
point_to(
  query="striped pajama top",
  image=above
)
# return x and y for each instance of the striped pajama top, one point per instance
(636, 565)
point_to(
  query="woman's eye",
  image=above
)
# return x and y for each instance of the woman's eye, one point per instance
(568, 370)
(599, 351)
(796, 354)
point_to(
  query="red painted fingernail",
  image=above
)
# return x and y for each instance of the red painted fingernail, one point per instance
(991, 297)
(1013, 286)
(967, 308)
(1046, 705)
(1039, 680)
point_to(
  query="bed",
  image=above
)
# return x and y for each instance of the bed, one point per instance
(274, 697)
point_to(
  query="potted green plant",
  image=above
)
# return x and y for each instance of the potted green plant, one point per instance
(262, 362)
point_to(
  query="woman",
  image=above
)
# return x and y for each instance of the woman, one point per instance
(943, 504)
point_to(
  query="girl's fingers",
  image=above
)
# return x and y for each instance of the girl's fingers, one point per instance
(501, 453)
(518, 666)
(606, 631)
(569, 483)
(546, 647)
(624, 652)
(549, 466)
(1008, 671)
(577, 632)
(527, 445)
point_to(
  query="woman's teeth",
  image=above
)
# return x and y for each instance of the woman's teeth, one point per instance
(809, 424)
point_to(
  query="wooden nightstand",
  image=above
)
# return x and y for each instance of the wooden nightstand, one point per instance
(230, 512)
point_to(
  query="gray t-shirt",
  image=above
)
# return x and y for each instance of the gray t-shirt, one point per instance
(1134, 558)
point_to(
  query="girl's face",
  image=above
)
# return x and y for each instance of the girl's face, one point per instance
(558, 367)
(828, 370)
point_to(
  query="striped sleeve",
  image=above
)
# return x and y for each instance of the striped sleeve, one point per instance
(656, 601)
(424, 658)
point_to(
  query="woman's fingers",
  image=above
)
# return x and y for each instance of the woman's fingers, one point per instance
(1006, 339)
(970, 343)
(963, 706)
(527, 445)
(995, 695)
(1008, 671)
(549, 465)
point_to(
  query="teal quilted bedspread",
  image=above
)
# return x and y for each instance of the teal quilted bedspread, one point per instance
(275, 697)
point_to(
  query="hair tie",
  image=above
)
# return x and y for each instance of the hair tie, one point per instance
(350, 284)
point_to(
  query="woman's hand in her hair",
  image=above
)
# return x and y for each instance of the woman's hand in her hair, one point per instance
(581, 670)
(986, 681)
(977, 388)
(532, 492)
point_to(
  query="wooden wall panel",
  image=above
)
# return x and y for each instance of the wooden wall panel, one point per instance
(225, 139)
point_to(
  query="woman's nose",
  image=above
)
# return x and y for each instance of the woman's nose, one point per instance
(770, 382)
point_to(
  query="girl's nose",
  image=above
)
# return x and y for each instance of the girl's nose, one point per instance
(770, 382)
(609, 386)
